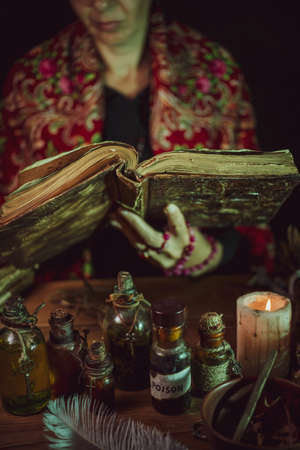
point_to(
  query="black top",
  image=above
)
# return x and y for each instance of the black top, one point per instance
(127, 120)
(167, 312)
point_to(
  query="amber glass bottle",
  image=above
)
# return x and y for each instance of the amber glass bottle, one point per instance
(213, 360)
(97, 378)
(170, 359)
(24, 373)
(127, 330)
(66, 352)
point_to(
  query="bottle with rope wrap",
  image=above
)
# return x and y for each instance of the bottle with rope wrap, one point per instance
(213, 360)
(127, 330)
(97, 378)
(66, 352)
(24, 374)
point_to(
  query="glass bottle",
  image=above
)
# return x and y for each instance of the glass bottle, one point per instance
(24, 374)
(127, 330)
(213, 360)
(97, 378)
(170, 359)
(66, 351)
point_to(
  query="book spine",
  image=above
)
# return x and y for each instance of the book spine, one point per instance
(132, 194)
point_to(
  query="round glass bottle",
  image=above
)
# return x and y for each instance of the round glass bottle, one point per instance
(213, 360)
(24, 374)
(66, 352)
(97, 378)
(170, 359)
(127, 329)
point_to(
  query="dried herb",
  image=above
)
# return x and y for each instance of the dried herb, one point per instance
(273, 424)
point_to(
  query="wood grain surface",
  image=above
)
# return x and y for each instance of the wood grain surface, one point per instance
(211, 293)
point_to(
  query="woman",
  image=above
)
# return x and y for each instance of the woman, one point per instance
(123, 73)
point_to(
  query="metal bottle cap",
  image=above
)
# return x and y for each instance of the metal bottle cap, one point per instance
(168, 313)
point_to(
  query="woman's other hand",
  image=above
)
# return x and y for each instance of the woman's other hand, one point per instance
(179, 250)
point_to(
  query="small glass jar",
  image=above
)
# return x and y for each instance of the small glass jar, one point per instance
(97, 378)
(170, 359)
(66, 352)
(213, 360)
(24, 374)
(127, 330)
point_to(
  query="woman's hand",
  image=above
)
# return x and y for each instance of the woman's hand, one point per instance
(165, 249)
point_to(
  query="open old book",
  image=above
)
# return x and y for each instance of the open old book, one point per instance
(61, 200)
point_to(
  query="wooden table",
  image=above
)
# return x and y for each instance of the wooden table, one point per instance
(210, 293)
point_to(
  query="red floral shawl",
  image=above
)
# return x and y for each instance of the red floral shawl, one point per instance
(53, 97)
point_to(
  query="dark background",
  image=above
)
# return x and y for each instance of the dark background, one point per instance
(263, 37)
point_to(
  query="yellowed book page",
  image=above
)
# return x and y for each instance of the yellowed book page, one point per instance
(45, 167)
(23, 200)
(219, 162)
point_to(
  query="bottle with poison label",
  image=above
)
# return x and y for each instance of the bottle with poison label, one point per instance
(170, 359)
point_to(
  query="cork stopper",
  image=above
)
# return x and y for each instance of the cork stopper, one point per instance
(168, 313)
(61, 327)
(125, 295)
(60, 317)
(211, 323)
(97, 351)
(124, 283)
(98, 361)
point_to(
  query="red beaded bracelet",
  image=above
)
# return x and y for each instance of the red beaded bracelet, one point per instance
(166, 237)
(179, 269)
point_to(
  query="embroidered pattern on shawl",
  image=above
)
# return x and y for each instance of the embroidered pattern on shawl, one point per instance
(53, 97)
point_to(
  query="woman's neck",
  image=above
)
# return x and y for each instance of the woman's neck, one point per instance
(129, 78)
(127, 65)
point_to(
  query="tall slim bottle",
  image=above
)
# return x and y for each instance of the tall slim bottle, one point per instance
(66, 352)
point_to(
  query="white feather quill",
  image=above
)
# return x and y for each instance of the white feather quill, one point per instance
(79, 423)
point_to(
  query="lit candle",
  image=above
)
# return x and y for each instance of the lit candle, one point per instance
(263, 324)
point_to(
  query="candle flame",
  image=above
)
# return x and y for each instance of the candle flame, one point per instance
(268, 305)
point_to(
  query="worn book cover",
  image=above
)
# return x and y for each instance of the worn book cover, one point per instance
(61, 200)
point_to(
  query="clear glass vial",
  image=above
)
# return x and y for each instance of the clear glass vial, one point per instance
(66, 352)
(97, 378)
